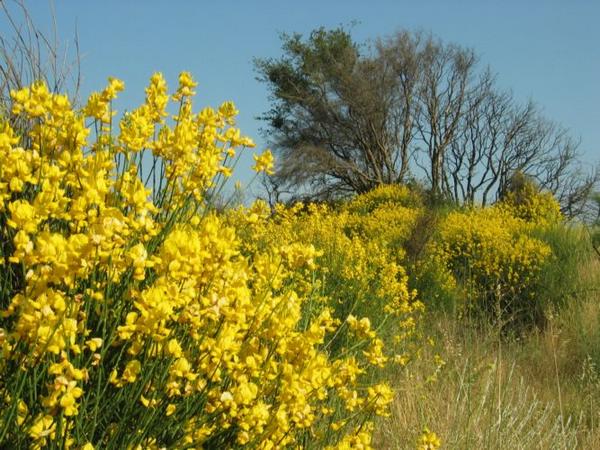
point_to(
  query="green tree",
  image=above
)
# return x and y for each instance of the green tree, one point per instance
(338, 119)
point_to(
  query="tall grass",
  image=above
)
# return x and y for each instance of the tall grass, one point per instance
(538, 389)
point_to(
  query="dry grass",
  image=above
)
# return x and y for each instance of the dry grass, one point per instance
(537, 391)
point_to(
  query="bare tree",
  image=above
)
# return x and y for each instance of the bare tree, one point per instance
(446, 84)
(467, 163)
(498, 138)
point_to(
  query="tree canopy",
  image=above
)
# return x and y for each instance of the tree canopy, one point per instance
(346, 117)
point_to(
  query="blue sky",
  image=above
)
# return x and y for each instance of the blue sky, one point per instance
(548, 51)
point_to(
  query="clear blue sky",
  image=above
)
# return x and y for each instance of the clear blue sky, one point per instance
(548, 50)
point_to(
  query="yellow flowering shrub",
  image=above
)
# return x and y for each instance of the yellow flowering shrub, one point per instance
(386, 195)
(494, 256)
(532, 205)
(132, 315)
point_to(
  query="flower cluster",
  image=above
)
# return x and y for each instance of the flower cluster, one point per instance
(132, 315)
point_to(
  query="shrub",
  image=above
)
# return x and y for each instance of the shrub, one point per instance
(496, 260)
(134, 316)
(387, 195)
(526, 201)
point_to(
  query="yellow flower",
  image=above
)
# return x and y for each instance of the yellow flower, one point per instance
(170, 409)
(132, 370)
(68, 402)
(43, 427)
(157, 97)
(428, 441)
(114, 85)
(98, 104)
(34, 100)
(264, 162)
(174, 348)
(22, 412)
(23, 216)
(186, 86)
(94, 343)
(379, 398)
(361, 327)
(137, 128)
(228, 111)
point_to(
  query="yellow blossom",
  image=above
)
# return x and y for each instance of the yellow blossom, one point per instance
(264, 162)
(428, 441)
(170, 409)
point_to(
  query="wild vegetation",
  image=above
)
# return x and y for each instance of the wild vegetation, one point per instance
(136, 315)
(140, 310)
